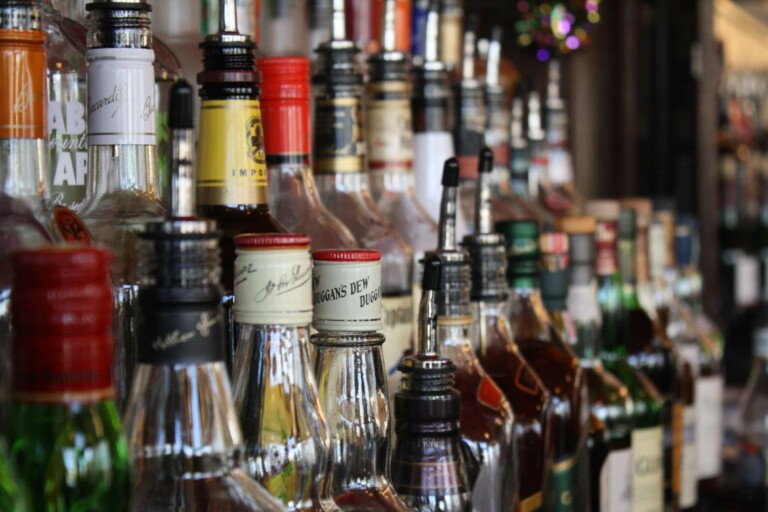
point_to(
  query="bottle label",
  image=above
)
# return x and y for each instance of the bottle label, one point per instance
(68, 151)
(689, 351)
(346, 296)
(489, 394)
(532, 503)
(709, 425)
(560, 166)
(746, 280)
(231, 165)
(431, 467)
(273, 287)
(179, 334)
(606, 258)
(70, 227)
(688, 476)
(562, 485)
(616, 481)
(22, 84)
(121, 97)
(397, 320)
(338, 143)
(647, 470)
(388, 127)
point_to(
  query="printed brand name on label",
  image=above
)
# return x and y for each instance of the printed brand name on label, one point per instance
(22, 86)
(338, 136)
(68, 151)
(360, 288)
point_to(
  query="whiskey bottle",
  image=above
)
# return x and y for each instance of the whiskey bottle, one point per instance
(487, 420)
(339, 159)
(351, 378)
(429, 464)
(501, 357)
(65, 434)
(556, 365)
(285, 107)
(284, 429)
(610, 400)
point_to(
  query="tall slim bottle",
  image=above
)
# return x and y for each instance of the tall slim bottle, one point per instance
(610, 400)
(285, 106)
(429, 463)
(65, 432)
(501, 357)
(339, 159)
(556, 365)
(284, 429)
(351, 378)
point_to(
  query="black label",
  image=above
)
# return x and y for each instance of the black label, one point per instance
(339, 145)
(180, 334)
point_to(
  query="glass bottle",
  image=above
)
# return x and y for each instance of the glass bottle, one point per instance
(285, 106)
(451, 29)
(65, 434)
(429, 464)
(432, 119)
(629, 353)
(122, 190)
(283, 28)
(501, 357)
(284, 428)
(610, 400)
(13, 496)
(487, 420)
(351, 378)
(339, 160)
(537, 154)
(555, 364)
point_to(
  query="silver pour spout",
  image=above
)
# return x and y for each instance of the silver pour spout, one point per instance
(389, 26)
(428, 307)
(470, 42)
(228, 17)
(447, 234)
(182, 149)
(494, 58)
(338, 24)
(432, 33)
(483, 216)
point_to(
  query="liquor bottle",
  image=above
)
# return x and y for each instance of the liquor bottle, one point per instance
(67, 134)
(610, 400)
(451, 29)
(122, 189)
(557, 367)
(501, 357)
(284, 429)
(389, 136)
(339, 159)
(432, 114)
(419, 11)
(65, 434)
(351, 378)
(184, 436)
(487, 420)
(402, 31)
(283, 29)
(285, 107)
(429, 463)
(630, 352)
(537, 154)
(320, 20)
(13, 496)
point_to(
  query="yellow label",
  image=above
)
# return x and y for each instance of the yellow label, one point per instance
(532, 503)
(231, 166)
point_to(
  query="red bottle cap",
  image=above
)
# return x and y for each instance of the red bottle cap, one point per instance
(61, 307)
(347, 255)
(285, 110)
(271, 240)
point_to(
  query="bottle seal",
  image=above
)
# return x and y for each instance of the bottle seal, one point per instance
(285, 105)
(23, 86)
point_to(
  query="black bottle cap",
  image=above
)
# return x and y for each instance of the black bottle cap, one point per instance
(485, 164)
(432, 271)
(451, 173)
(180, 111)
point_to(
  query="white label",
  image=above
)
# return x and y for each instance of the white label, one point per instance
(688, 476)
(747, 280)
(389, 134)
(582, 303)
(647, 470)
(273, 287)
(709, 425)
(616, 482)
(559, 166)
(397, 319)
(347, 296)
(121, 96)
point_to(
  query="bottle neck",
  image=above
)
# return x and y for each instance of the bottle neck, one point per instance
(528, 314)
(627, 260)
(338, 139)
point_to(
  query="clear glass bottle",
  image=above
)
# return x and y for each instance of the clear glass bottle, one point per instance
(65, 434)
(351, 379)
(429, 465)
(293, 196)
(501, 357)
(339, 160)
(284, 428)
(610, 400)
(553, 361)
(487, 420)
(537, 154)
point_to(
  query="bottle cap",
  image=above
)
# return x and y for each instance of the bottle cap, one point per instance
(576, 224)
(273, 279)
(346, 290)
(181, 106)
(642, 206)
(61, 314)
(285, 107)
(603, 210)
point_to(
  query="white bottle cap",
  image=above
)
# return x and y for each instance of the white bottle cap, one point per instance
(346, 290)
(273, 279)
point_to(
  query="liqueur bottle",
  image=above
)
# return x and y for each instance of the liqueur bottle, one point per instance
(429, 466)
(501, 357)
(432, 125)
(285, 107)
(339, 159)
(630, 354)
(557, 367)
(122, 189)
(284, 429)
(65, 434)
(610, 400)
(351, 379)
(487, 420)
(184, 436)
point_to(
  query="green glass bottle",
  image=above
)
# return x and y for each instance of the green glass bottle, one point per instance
(65, 434)
(13, 497)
